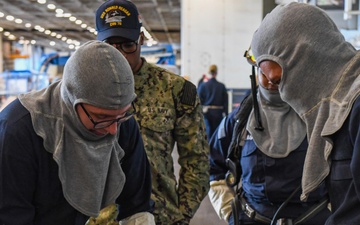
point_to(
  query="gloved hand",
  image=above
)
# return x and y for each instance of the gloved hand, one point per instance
(142, 218)
(220, 196)
(107, 216)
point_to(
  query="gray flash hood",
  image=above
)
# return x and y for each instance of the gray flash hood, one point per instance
(320, 76)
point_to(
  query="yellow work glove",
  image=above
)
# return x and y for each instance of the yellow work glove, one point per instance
(107, 216)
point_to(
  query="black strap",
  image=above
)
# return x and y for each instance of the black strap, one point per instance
(250, 102)
(312, 211)
(275, 217)
(256, 105)
(235, 208)
(233, 156)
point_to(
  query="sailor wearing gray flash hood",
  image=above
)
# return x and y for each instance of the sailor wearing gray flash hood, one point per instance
(319, 79)
(66, 150)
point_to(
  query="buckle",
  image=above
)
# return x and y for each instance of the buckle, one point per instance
(250, 212)
(284, 221)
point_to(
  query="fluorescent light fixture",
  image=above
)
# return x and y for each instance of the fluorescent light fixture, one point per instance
(18, 21)
(10, 18)
(51, 6)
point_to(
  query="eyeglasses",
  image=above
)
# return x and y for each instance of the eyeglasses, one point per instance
(250, 57)
(107, 123)
(125, 46)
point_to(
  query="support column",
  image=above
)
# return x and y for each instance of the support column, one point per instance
(218, 32)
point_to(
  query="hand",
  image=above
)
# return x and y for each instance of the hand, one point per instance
(107, 216)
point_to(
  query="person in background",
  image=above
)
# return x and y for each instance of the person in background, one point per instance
(299, 48)
(214, 99)
(203, 79)
(168, 112)
(74, 148)
(271, 155)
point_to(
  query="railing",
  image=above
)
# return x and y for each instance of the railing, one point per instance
(16, 82)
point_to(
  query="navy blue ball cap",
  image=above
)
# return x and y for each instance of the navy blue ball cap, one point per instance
(118, 18)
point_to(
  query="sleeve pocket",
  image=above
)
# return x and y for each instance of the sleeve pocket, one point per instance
(158, 119)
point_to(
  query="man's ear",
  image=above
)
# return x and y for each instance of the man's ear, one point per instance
(142, 38)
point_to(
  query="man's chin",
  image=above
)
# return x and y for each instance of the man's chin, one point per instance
(98, 133)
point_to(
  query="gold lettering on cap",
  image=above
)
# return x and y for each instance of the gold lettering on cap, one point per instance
(115, 24)
(114, 7)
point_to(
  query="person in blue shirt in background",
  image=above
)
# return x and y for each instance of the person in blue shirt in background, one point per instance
(268, 146)
(214, 100)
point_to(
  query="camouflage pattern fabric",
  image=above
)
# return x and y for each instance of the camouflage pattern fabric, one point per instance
(169, 112)
(107, 216)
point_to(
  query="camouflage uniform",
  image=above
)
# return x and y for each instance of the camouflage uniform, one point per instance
(169, 112)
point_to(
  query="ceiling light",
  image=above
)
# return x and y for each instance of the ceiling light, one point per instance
(33, 42)
(27, 24)
(10, 18)
(52, 43)
(47, 32)
(18, 21)
(1, 29)
(41, 1)
(12, 37)
(6, 33)
(72, 18)
(59, 11)
(2, 14)
(58, 36)
(51, 6)
(78, 22)
(66, 14)
(64, 38)
(83, 25)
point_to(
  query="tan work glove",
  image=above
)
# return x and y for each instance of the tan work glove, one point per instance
(143, 218)
(107, 216)
(221, 195)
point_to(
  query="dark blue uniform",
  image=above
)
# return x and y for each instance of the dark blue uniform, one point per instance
(344, 178)
(267, 182)
(30, 188)
(213, 94)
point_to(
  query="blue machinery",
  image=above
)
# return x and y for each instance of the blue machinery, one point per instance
(14, 82)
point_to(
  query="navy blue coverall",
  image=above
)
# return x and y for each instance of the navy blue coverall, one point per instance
(266, 182)
(213, 96)
(30, 188)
